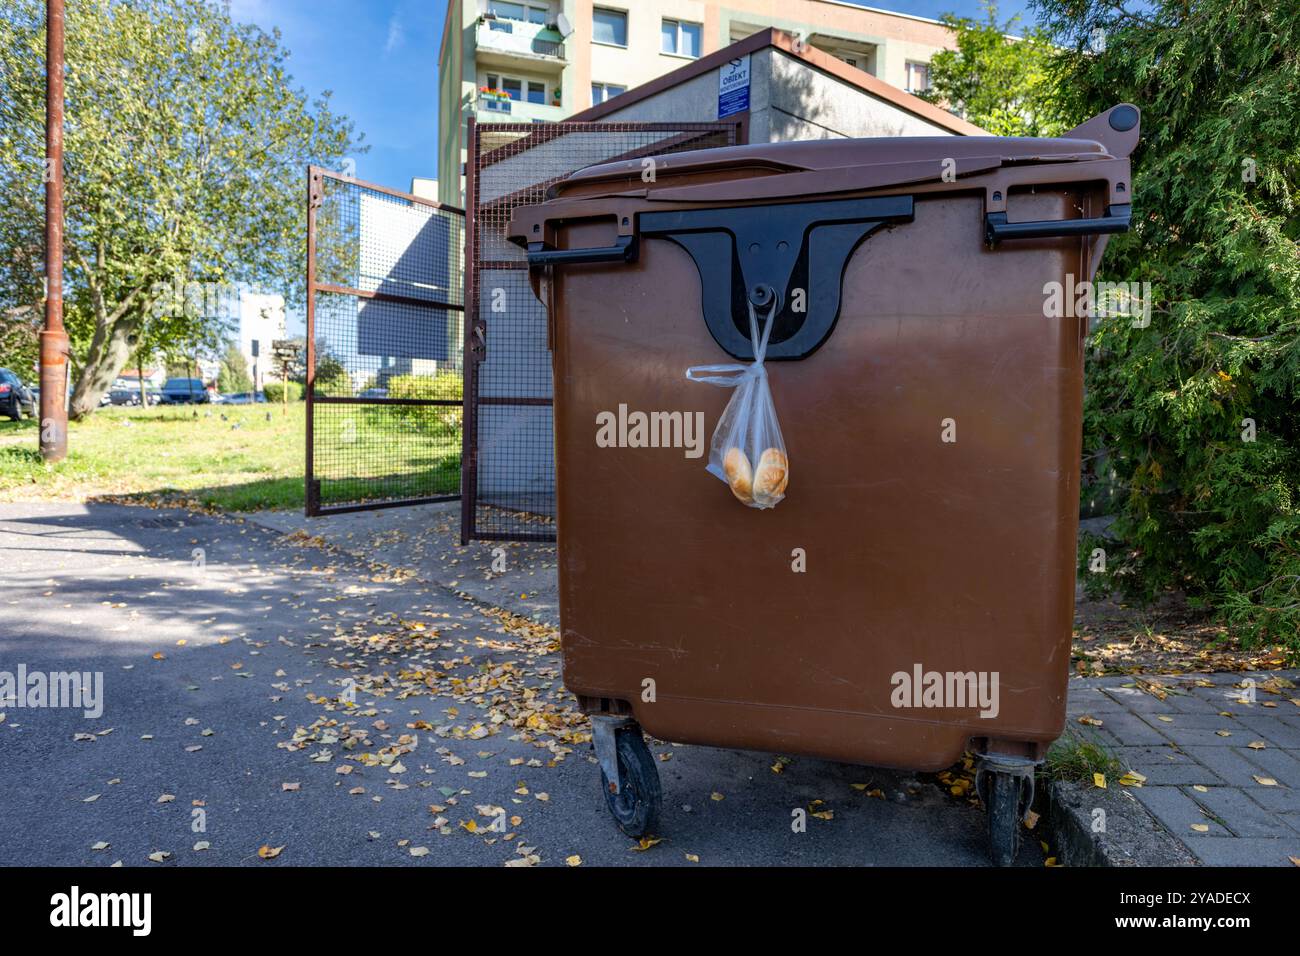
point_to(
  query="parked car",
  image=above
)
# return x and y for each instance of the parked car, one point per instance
(130, 395)
(245, 398)
(185, 391)
(15, 397)
(374, 393)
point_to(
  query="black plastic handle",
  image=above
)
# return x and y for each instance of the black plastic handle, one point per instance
(996, 227)
(623, 250)
(759, 253)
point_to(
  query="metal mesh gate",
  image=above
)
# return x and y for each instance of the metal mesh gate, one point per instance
(385, 345)
(509, 461)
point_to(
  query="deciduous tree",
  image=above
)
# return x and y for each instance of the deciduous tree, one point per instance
(186, 153)
(997, 77)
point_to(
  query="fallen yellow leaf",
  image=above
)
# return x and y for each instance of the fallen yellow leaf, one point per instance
(269, 852)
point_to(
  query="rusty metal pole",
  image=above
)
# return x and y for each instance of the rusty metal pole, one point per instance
(315, 199)
(54, 340)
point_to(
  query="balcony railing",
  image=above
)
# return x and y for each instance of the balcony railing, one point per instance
(494, 104)
(518, 39)
(553, 48)
(516, 111)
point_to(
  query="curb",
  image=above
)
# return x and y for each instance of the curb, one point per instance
(1131, 836)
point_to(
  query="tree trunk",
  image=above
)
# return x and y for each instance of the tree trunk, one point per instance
(108, 355)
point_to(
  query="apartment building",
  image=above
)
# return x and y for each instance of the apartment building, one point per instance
(545, 60)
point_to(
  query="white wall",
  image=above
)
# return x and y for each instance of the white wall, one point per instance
(789, 100)
(261, 318)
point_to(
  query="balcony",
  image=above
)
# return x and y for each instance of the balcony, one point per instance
(513, 44)
(493, 109)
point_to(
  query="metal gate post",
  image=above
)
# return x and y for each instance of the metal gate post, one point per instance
(310, 488)
(474, 343)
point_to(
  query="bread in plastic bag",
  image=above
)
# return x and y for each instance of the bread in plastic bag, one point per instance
(747, 451)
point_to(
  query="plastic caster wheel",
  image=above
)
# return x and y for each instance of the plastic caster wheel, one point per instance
(635, 808)
(1005, 802)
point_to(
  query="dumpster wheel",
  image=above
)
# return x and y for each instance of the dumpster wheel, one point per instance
(1006, 797)
(636, 801)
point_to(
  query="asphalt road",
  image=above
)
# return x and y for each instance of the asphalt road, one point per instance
(232, 648)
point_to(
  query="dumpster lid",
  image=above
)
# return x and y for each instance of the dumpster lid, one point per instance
(825, 165)
(757, 219)
(821, 154)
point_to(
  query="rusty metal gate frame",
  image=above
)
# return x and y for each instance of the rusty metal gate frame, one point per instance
(476, 327)
(316, 177)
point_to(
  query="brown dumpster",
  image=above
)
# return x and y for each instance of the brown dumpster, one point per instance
(912, 595)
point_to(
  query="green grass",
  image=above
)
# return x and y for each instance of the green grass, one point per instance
(252, 460)
(1077, 757)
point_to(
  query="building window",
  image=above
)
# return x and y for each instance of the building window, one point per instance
(600, 92)
(609, 26)
(532, 91)
(918, 77)
(525, 12)
(683, 39)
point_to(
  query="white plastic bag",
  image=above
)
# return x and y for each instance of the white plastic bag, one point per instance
(747, 451)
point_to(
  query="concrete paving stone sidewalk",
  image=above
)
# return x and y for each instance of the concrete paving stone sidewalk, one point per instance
(1220, 754)
(221, 641)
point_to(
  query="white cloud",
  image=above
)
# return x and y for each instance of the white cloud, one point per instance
(396, 35)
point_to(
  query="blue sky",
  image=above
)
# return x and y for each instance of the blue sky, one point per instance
(380, 58)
